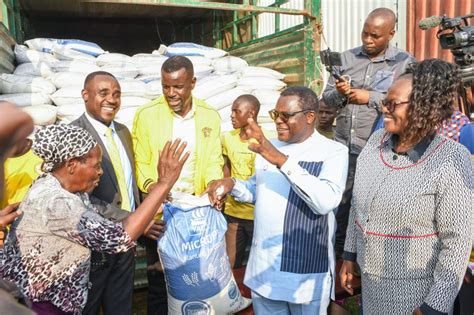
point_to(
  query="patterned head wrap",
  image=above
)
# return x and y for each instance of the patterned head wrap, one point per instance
(57, 143)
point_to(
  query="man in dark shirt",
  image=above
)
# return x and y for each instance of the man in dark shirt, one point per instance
(368, 72)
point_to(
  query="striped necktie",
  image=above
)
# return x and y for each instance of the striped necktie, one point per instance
(114, 154)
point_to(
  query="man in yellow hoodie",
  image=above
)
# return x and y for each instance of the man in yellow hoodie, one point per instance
(175, 115)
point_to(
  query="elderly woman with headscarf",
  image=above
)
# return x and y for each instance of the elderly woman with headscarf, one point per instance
(412, 206)
(47, 251)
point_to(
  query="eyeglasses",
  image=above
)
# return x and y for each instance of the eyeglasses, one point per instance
(391, 105)
(285, 116)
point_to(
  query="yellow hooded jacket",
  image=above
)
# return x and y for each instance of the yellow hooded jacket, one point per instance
(153, 126)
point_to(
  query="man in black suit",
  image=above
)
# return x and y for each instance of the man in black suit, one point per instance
(111, 276)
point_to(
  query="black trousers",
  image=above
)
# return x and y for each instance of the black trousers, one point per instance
(112, 284)
(342, 214)
(157, 300)
(464, 304)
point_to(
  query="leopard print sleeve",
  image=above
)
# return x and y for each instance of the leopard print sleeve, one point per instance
(74, 218)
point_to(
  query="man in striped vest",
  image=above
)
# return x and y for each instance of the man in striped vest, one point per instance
(299, 180)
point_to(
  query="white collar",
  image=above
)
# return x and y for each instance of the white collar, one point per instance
(99, 126)
(188, 116)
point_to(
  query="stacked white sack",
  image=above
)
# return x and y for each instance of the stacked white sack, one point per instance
(11, 83)
(68, 113)
(120, 65)
(190, 49)
(264, 83)
(28, 85)
(212, 85)
(66, 79)
(42, 114)
(78, 66)
(40, 69)
(26, 99)
(25, 55)
(149, 66)
(65, 63)
(69, 102)
(25, 90)
(48, 45)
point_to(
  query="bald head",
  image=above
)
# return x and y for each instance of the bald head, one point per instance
(379, 28)
(386, 15)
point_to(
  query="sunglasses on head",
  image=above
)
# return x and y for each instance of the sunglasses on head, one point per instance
(285, 116)
(392, 105)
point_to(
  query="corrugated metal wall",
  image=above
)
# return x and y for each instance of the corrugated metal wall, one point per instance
(424, 44)
(266, 21)
(343, 21)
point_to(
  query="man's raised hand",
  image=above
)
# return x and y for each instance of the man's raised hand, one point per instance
(171, 162)
(262, 146)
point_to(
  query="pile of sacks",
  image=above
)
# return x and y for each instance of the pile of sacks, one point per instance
(52, 72)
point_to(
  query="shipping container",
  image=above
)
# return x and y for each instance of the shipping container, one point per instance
(257, 30)
(279, 34)
(132, 27)
(289, 43)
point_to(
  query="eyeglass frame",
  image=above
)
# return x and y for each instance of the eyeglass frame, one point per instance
(285, 116)
(391, 105)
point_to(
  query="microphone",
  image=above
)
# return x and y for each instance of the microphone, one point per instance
(430, 22)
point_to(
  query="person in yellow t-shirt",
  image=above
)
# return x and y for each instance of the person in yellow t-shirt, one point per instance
(21, 169)
(239, 164)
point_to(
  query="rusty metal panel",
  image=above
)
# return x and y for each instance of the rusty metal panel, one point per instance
(282, 53)
(424, 44)
(6, 53)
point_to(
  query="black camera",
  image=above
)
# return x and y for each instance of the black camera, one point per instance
(331, 59)
(456, 35)
(458, 39)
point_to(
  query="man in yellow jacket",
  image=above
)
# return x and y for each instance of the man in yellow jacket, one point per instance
(175, 115)
(21, 169)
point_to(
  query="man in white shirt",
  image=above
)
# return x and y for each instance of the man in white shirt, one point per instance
(299, 180)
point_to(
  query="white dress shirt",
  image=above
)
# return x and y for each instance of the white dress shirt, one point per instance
(185, 129)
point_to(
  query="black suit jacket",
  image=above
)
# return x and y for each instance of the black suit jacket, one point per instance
(108, 188)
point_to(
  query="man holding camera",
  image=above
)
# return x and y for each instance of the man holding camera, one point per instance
(366, 74)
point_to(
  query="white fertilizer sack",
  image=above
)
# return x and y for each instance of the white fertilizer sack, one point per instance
(10, 83)
(42, 114)
(26, 99)
(193, 254)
